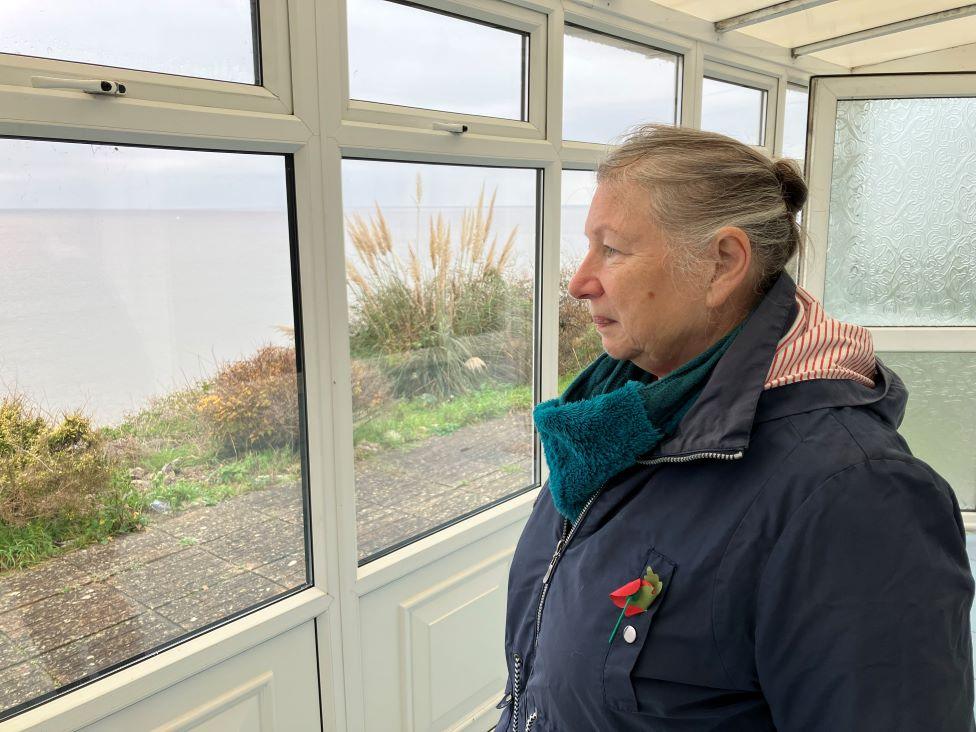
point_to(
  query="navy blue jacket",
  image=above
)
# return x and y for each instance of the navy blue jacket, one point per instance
(815, 572)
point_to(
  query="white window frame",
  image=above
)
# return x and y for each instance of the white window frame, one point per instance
(76, 116)
(761, 82)
(274, 96)
(497, 13)
(590, 151)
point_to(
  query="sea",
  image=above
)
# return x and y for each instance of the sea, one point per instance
(102, 310)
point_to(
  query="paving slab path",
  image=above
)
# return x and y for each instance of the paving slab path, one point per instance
(79, 613)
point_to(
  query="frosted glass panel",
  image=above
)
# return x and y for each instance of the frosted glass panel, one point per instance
(901, 248)
(611, 85)
(940, 422)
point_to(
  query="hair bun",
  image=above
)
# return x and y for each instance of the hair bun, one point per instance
(791, 184)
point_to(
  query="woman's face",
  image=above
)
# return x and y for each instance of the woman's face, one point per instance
(644, 313)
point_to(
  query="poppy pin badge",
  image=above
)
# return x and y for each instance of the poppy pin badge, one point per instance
(635, 597)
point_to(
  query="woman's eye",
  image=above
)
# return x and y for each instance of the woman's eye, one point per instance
(607, 251)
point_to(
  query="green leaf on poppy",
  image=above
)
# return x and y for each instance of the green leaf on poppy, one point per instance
(648, 592)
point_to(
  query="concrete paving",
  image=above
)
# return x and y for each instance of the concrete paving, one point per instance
(80, 613)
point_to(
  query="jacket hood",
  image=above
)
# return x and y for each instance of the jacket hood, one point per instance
(819, 347)
(747, 388)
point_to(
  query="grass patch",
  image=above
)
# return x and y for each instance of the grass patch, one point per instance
(411, 421)
(120, 511)
(414, 420)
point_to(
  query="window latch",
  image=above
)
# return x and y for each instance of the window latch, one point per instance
(455, 127)
(90, 86)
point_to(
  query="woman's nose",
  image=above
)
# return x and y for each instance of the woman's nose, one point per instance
(584, 285)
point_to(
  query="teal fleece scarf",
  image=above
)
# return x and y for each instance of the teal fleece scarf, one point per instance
(612, 413)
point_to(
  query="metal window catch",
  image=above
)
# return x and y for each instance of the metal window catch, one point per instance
(90, 86)
(455, 127)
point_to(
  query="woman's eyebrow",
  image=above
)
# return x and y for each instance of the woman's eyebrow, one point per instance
(601, 229)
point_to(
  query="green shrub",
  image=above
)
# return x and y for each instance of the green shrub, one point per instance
(253, 403)
(430, 322)
(49, 469)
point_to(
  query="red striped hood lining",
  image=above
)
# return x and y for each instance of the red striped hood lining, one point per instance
(820, 347)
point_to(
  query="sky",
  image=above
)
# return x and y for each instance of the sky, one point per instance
(609, 86)
(211, 39)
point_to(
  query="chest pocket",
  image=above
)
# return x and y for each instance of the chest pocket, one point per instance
(632, 635)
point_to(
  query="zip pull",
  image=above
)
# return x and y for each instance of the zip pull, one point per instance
(555, 559)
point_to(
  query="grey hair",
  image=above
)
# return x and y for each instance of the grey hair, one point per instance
(702, 181)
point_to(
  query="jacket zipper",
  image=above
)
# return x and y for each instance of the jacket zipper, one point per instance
(516, 683)
(530, 722)
(694, 456)
(568, 534)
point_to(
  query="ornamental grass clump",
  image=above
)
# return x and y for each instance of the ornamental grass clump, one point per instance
(253, 403)
(49, 469)
(443, 318)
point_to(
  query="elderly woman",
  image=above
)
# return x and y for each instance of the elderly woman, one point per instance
(734, 535)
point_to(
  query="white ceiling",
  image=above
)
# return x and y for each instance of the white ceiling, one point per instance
(846, 16)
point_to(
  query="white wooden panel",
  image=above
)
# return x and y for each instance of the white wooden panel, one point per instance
(248, 708)
(446, 622)
(447, 668)
(272, 686)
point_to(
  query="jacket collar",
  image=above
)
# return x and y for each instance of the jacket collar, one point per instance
(733, 400)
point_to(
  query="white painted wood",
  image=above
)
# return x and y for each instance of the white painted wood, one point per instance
(250, 706)
(152, 676)
(266, 688)
(417, 630)
(444, 645)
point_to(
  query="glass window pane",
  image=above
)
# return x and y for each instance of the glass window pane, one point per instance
(579, 342)
(734, 110)
(400, 54)
(611, 85)
(213, 39)
(795, 124)
(441, 263)
(940, 423)
(151, 464)
(901, 241)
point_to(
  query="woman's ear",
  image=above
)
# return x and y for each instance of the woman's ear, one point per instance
(732, 260)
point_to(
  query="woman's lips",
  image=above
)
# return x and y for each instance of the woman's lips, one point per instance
(601, 322)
